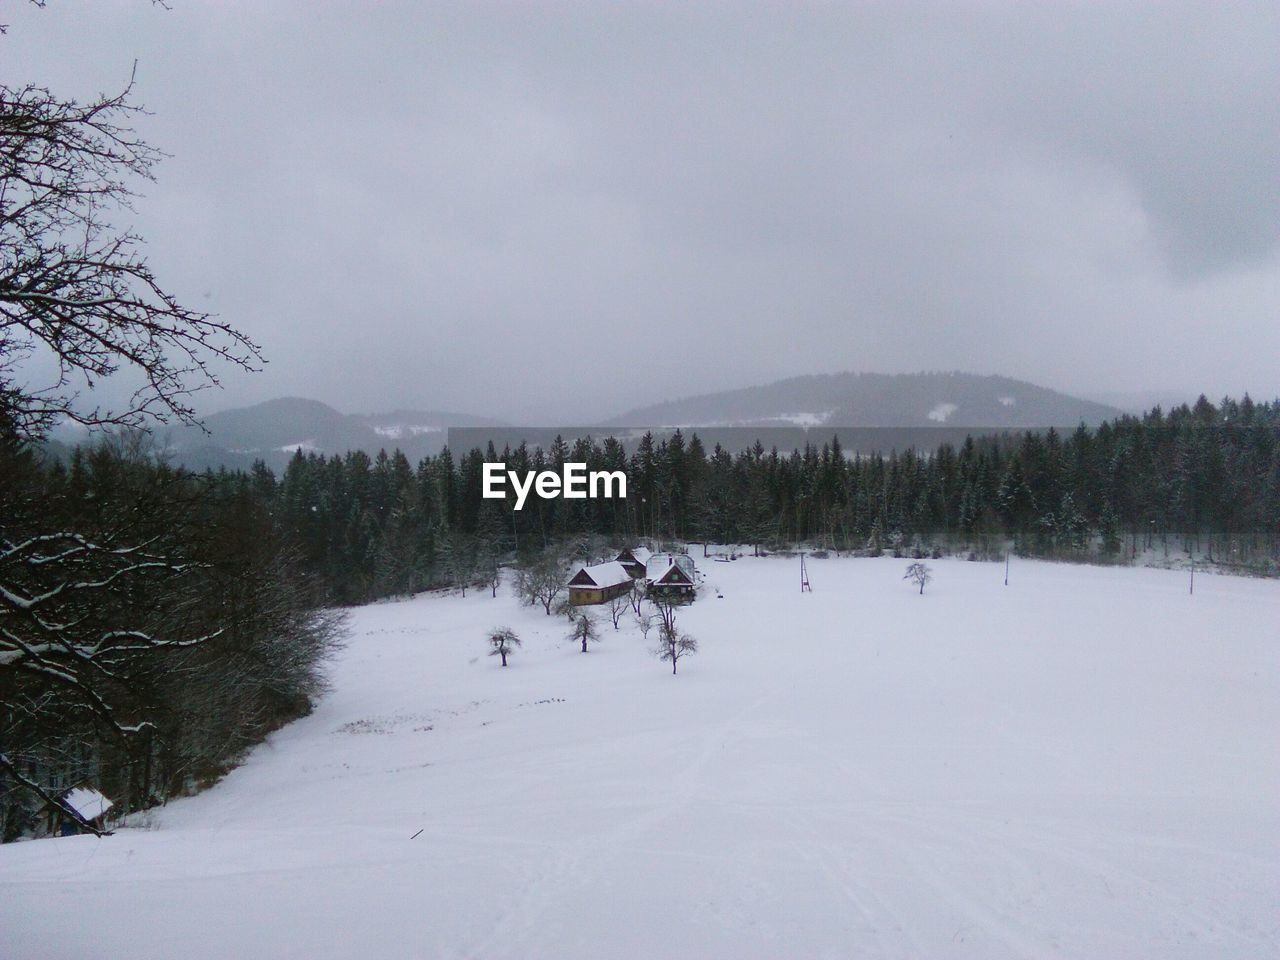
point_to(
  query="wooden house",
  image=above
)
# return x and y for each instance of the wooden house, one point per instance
(599, 583)
(671, 576)
(635, 560)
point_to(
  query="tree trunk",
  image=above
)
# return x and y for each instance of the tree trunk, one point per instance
(146, 767)
(503, 654)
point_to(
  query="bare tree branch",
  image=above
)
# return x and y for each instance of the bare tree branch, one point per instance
(75, 286)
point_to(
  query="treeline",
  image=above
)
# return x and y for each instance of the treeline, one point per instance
(153, 626)
(1204, 479)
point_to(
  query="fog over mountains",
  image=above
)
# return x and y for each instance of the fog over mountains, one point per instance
(274, 430)
(879, 400)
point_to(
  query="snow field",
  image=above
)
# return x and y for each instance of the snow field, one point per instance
(1082, 764)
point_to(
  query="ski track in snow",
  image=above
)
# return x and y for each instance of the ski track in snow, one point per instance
(1081, 764)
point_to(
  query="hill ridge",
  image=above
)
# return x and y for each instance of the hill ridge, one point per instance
(865, 399)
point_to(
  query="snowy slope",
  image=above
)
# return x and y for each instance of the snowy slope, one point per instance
(1081, 764)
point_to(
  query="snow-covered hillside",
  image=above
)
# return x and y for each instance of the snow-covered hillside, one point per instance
(1081, 764)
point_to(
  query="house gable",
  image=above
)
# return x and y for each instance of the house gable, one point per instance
(674, 576)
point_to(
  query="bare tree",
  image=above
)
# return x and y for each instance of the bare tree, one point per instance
(636, 595)
(492, 570)
(617, 606)
(585, 630)
(672, 644)
(644, 620)
(918, 573)
(503, 640)
(90, 659)
(666, 611)
(589, 548)
(542, 581)
(75, 287)
(565, 607)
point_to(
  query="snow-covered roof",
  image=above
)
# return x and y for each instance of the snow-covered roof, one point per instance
(604, 574)
(660, 563)
(87, 802)
(641, 555)
(674, 575)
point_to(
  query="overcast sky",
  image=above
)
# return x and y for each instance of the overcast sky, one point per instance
(559, 211)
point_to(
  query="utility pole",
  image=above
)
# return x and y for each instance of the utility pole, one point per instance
(1006, 568)
(804, 576)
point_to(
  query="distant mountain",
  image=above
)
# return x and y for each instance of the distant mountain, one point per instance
(878, 400)
(892, 408)
(274, 430)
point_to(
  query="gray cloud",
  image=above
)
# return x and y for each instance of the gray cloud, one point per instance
(564, 210)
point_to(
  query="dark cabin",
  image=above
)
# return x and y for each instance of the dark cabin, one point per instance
(671, 576)
(636, 560)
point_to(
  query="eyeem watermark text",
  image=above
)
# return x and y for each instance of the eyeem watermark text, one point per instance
(572, 483)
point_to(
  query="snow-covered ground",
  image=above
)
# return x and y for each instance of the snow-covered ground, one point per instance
(399, 431)
(942, 412)
(1081, 764)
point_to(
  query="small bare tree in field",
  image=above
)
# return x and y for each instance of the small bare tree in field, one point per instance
(672, 645)
(617, 606)
(503, 641)
(585, 630)
(541, 582)
(644, 620)
(636, 595)
(564, 607)
(918, 573)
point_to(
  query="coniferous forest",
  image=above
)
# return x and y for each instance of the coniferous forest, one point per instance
(1202, 480)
